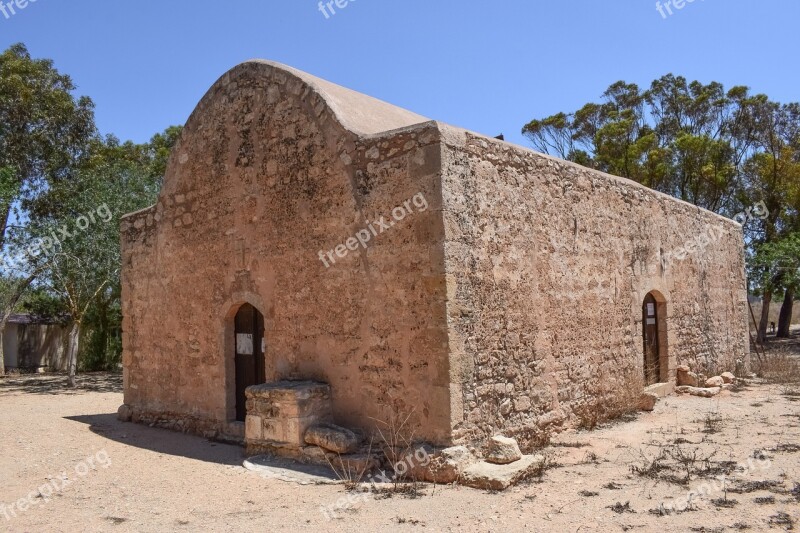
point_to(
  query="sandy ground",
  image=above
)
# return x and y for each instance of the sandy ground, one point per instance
(126, 477)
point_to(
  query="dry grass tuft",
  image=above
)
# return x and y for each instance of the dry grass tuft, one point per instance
(779, 366)
(620, 508)
(782, 519)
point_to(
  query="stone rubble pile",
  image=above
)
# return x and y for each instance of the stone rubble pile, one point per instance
(698, 385)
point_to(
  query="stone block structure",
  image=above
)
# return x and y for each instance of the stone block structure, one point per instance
(279, 414)
(306, 232)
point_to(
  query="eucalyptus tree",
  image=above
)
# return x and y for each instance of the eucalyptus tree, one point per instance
(77, 225)
(721, 150)
(45, 132)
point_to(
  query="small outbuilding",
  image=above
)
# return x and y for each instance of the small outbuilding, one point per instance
(317, 254)
(34, 344)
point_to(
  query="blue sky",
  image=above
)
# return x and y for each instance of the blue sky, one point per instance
(485, 66)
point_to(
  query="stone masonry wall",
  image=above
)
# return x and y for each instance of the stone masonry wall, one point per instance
(548, 264)
(263, 179)
(506, 298)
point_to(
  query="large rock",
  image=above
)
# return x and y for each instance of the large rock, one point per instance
(503, 451)
(716, 381)
(448, 465)
(424, 463)
(686, 378)
(728, 377)
(488, 476)
(647, 401)
(333, 438)
(696, 391)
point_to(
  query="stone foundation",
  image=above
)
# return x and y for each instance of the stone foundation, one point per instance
(210, 429)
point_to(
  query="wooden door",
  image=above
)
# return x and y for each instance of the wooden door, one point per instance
(652, 367)
(250, 364)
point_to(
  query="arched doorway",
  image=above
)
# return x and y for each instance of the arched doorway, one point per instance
(653, 331)
(249, 351)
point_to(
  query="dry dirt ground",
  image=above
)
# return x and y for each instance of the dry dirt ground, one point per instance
(622, 477)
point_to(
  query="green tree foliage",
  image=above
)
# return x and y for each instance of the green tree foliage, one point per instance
(45, 132)
(76, 223)
(63, 190)
(776, 266)
(675, 137)
(44, 129)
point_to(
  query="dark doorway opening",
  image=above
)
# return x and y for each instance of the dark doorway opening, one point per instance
(249, 350)
(652, 359)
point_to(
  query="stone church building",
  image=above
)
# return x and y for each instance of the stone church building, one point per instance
(366, 263)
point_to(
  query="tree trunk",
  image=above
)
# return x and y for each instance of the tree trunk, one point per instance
(766, 301)
(103, 327)
(3, 322)
(785, 320)
(2, 352)
(5, 211)
(72, 353)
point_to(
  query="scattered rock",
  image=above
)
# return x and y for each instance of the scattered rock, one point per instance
(448, 465)
(425, 463)
(695, 391)
(332, 438)
(647, 401)
(728, 377)
(716, 381)
(503, 451)
(686, 377)
(488, 476)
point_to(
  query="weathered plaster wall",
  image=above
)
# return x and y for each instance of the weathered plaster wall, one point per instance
(265, 177)
(548, 264)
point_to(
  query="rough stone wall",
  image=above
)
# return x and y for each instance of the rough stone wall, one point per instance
(548, 264)
(264, 178)
(509, 303)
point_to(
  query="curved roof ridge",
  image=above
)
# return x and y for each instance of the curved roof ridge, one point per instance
(358, 112)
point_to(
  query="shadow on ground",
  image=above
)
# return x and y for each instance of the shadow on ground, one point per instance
(57, 383)
(157, 440)
(161, 440)
(790, 345)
